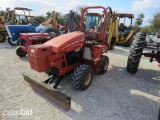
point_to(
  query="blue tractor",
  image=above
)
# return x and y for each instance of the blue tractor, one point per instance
(14, 31)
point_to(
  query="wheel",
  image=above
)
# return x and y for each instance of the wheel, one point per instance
(20, 52)
(104, 62)
(129, 42)
(11, 42)
(136, 51)
(82, 77)
(2, 37)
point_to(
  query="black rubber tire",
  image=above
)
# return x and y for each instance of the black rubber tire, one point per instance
(10, 42)
(79, 77)
(20, 52)
(129, 42)
(103, 62)
(135, 53)
(2, 37)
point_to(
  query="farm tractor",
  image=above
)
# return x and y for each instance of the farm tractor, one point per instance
(10, 17)
(119, 33)
(3, 18)
(136, 51)
(125, 33)
(81, 53)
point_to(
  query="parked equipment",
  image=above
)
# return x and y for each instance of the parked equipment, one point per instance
(50, 25)
(80, 51)
(151, 40)
(136, 51)
(125, 33)
(30, 39)
(3, 32)
(112, 36)
(11, 18)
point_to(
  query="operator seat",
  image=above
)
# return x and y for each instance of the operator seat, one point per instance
(123, 30)
(121, 27)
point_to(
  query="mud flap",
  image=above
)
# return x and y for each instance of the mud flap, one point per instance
(52, 94)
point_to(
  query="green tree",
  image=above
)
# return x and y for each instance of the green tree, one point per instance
(39, 19)
(155, 22)
(147, 29)
(48, 14)
(139, 20)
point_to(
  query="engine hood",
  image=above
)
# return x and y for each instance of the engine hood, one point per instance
(67, 42)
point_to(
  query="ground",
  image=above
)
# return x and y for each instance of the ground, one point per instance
(116, 95)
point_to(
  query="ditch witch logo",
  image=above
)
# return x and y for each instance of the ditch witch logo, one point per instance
(17, 112)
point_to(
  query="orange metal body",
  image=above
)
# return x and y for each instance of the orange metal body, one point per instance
(96, 52)
(37, 55)
(67, 42)
(53, 53)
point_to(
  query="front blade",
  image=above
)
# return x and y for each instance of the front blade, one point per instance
(54, 95)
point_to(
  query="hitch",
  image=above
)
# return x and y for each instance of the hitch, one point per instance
(52, 78)
(151, 55)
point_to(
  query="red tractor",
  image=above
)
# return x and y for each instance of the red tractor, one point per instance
(80, 53)
(136, 51)
(27, 39)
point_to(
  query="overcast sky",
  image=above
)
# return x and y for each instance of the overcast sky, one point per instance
(39, 7)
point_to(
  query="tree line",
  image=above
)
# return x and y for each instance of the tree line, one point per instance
(154, 23)
(153, 27)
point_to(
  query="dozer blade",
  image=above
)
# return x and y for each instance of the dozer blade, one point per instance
(52, 94)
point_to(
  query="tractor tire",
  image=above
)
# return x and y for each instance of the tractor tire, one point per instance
(135, 53)
(129, 42)
(82, 77)
(20, 52)
(2, 37)
(11, 42)
(104, 62)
